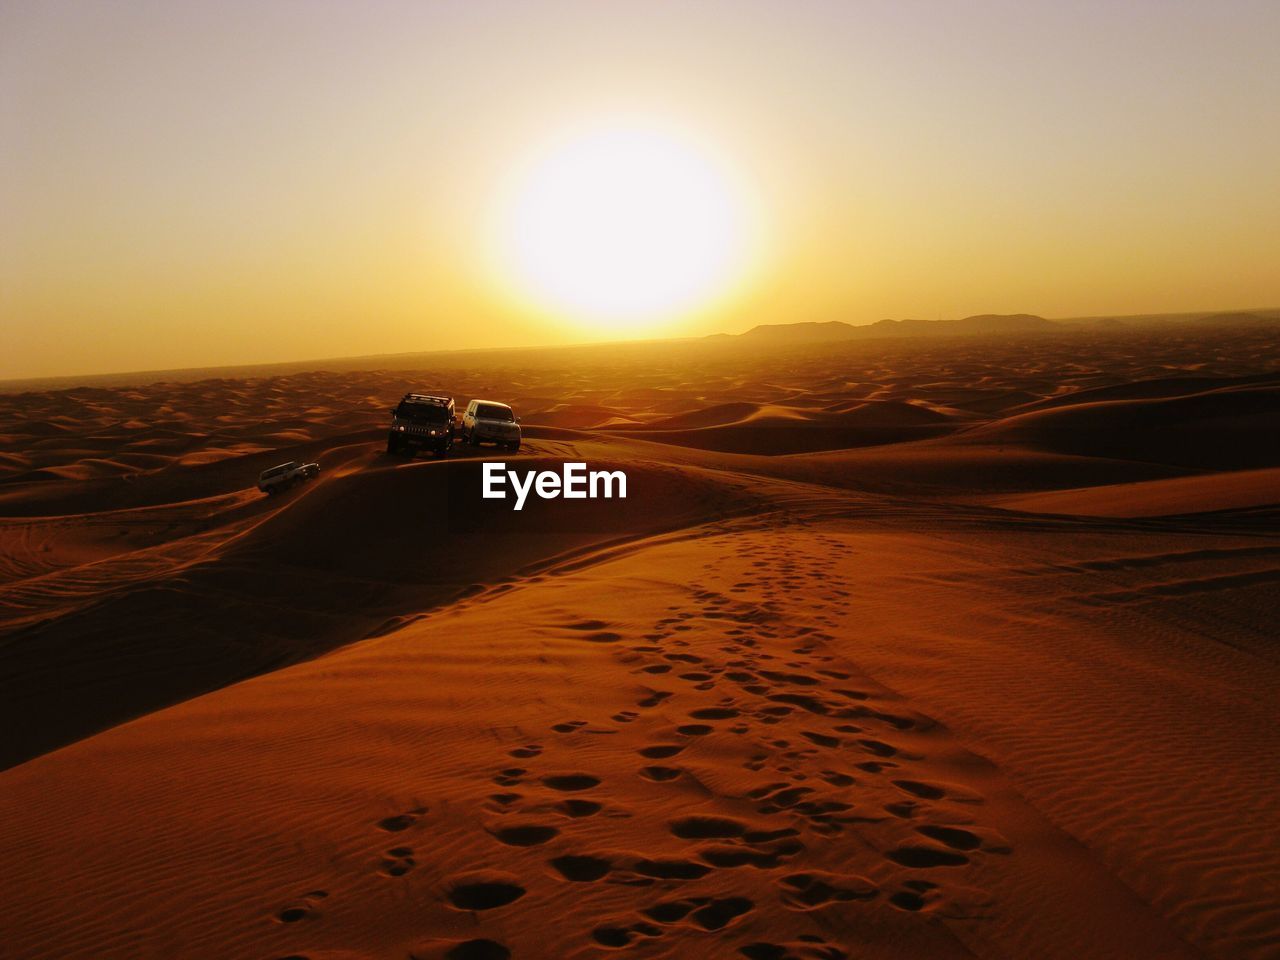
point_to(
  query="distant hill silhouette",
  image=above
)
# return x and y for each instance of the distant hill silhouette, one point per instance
(806, 332)
(837, 330)
(979, 325)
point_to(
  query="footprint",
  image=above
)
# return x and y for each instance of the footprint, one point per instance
(581, 868)
(571, 782)
(879, 748)
(726, 856)
(783, 799)
(460, 950)
(660, 774)
(810, 891)
(479, 950)
(397, 862)
(619, 937)
(803, 701)
(672, 911)
(794, 679)
(301, 909)
(953, 837)
(568, 726)
(706, 913)
(760, 792)
(525, 835)
(661, 751)
(695, 729)
(906, 900)
(484, 890)
(714, 713)
(875, 766)
(577, 809)
(526, 752)
(671, 868)
(807, 948)
(586, 625)
(719, 913)
(707, 828)
(401, 821)
(916, 856)
(926, 791)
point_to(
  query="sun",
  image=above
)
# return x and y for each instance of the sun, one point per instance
(621, 227)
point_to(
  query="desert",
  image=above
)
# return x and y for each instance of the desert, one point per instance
(562, 480)
(897, 647)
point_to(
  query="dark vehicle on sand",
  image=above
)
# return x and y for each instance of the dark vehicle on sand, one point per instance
(421, 422)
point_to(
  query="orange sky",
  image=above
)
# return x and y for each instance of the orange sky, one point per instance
(212, 183)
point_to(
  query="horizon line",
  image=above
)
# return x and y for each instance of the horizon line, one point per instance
(6, 384)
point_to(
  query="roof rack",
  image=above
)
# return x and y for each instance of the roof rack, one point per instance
(427, 398)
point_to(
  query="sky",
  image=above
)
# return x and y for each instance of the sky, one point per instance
(211, 183)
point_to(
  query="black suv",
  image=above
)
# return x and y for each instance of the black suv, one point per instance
(421, 422)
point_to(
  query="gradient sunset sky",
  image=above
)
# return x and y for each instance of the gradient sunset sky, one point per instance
(196, 184)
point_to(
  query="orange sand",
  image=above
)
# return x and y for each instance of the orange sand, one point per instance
(896, 650)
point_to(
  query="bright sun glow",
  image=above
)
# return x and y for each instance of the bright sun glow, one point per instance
(622, 227)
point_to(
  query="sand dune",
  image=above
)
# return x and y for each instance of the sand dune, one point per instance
(779, 429)
(1242, 490)
(1217, 429)
(577, 416)
(897, 648)
(715, 415)
(1159, 387)
(696, 762)
(351, 555)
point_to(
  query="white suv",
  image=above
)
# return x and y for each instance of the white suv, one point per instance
(281, 477)
(487, 421)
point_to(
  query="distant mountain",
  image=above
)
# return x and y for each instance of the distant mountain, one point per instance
(982, 324)
(1262, 317)
(1003, 323)
(807, 332)
(837, 330)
